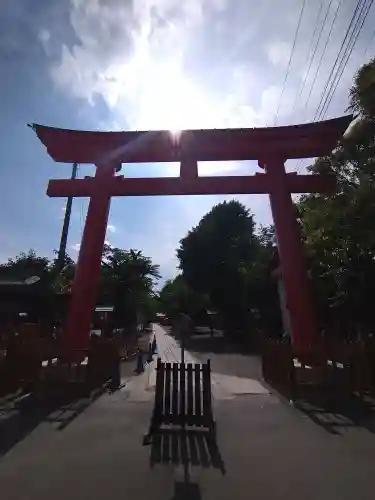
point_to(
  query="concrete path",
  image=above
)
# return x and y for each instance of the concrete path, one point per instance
(270, 451)
(141, 388)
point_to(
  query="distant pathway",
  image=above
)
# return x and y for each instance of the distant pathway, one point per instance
(223, 386)
(169, 349)
(141, 387)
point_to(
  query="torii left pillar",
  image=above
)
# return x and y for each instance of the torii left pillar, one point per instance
(87, 277)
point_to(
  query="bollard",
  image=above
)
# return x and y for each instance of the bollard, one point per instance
(150, 353)
(115, 376)
(140, 365)
(154, 345)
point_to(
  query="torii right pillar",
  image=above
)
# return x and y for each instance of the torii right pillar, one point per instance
(293, 265)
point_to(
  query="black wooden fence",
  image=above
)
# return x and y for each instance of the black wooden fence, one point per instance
(183, 395)
(340, 367)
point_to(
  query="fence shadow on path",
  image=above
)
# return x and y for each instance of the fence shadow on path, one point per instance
(21, 415)
(186, 448)
(337, 414)
(18, 418)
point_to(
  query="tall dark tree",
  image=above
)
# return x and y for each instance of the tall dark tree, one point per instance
(223, 258)
(26, 265)
(338, 229)
(362, 93)
(127, 282)
(177, 296)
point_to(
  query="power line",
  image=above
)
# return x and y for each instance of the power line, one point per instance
(353, 31)
(351, 36)
(330, 83)
(310, 56)
(290, 61)
(343, 48)
(323, 52)
(358, 27)
(300, 162)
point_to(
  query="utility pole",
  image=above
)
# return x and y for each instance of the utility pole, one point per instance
(65, 228)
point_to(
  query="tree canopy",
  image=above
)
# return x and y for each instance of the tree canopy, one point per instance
(177, 296)
(223, 258)
(338, 229)
(127, 280)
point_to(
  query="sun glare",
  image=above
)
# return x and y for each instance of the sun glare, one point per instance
(167, 100)
(161, 97)
(176, 134)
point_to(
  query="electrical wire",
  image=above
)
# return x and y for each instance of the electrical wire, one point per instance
(323, 52)
(358, 29)
(339, 58)
(352, 34)
(311, 55)
(299, 165)
(290, 61)
(312, 86)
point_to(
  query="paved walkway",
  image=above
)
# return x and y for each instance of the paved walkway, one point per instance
(270, 451)
(142, 387)
(223, 386)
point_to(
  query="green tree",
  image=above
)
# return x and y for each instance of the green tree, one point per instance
(25, 265)
(28, 264)
(177, 296)
(127, 282)
(338, 229)
(362, 92)
(62, 278)
(223, 258)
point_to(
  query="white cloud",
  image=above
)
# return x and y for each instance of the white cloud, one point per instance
(157, 64)
(279, 53)
(134, 59)
(44, 37)
(111, 228)
(76, 247)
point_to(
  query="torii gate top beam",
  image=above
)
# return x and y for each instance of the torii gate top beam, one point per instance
(295, 141)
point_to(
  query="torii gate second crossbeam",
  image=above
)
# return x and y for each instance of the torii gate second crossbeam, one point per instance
(270, 146)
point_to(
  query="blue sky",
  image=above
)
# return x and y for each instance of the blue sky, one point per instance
(150, 64)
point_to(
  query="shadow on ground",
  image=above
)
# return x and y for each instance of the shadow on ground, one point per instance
(226, 359)
(21, 414)
(337, 413)
(201, 340)
(186, 448)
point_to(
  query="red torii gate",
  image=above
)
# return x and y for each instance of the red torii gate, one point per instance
(270, 146)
